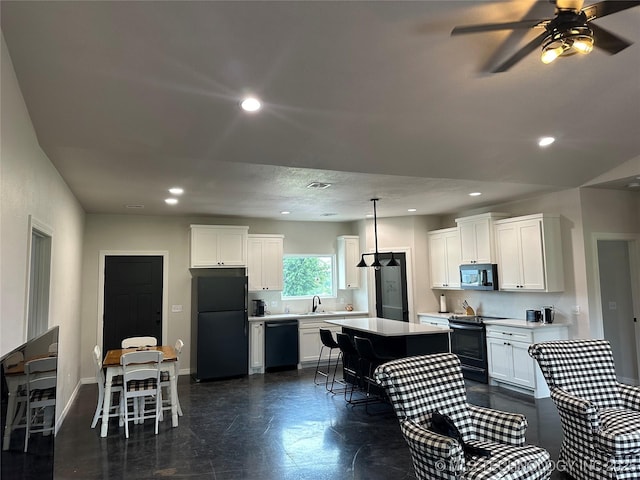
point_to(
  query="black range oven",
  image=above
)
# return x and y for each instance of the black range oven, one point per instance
(469, 343)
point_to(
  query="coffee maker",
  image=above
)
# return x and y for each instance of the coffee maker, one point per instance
(259, 308)
(548, 313)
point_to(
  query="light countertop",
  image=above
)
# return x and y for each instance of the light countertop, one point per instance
(306, 316)
(445, 315)
(388, 328)
(516, 322)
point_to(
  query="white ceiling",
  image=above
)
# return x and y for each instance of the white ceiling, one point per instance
(376, 98)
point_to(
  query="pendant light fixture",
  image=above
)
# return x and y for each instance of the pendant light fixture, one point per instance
(376, 255)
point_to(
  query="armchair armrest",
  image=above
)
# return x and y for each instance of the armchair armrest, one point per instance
(630, 396)
(576, 407)
(498, 426)
(436, 453)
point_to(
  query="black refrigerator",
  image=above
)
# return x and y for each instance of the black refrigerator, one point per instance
(219, 324)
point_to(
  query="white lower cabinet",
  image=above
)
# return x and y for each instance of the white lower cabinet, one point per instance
(508, 355)
(256, 347)
(309, 340)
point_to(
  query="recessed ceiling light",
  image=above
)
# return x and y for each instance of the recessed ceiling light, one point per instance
(546, 141)
(475, 194)
(285, 212)
(176, 191)
(411, 209)
(251, 104)
(369, 215)
(634, 185)
(171, 201)
(319, 185)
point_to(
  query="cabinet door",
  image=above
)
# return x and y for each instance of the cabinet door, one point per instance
(452, 255)
(255, 253)
(468, 242)
(204, 247)
(509, 268)
(348, 258)
(272, 253)
(523, 365)
(500, 359)
(256, 342)
(232, 247)
(437, 260)
(531, 254)
(309, 338)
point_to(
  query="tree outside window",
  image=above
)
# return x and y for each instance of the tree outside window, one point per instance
(308, 275)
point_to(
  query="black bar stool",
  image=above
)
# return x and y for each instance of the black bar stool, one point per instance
(369, 361)
(327, 342)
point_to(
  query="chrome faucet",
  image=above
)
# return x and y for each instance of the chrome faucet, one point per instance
(314, 306)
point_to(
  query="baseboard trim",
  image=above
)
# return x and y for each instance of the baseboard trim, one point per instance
(67, 407)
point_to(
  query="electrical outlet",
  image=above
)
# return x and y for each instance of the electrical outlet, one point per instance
(613, 306)
(274, 303)
(576, 310)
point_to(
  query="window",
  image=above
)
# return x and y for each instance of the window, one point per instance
(308, 275)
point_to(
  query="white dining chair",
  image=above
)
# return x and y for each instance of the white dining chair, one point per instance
(53, 348)
(141, 378)
(41, 396)
(18, 420)
(165, 380)
(139, 342)
(115, 409)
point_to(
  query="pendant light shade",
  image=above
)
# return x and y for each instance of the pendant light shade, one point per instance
(376, 255)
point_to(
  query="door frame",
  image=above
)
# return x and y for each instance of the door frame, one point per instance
(597, 320)
(371, 281)
(165, 290)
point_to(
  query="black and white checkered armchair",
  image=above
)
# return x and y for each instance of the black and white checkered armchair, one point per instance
(418, 386)
(600, 416)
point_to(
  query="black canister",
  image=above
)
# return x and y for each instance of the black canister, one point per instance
(534, 315)
(259, 308)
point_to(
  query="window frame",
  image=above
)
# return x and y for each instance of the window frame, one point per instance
(334, 275)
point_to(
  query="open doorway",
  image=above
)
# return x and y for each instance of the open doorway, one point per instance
(618, 291)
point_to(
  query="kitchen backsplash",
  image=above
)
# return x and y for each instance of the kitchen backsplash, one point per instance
(275, 303)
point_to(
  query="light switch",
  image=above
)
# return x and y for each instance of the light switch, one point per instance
(176, 308)
(613, 306)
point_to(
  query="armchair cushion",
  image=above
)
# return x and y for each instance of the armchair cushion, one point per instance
(630, 396)
(619, 432)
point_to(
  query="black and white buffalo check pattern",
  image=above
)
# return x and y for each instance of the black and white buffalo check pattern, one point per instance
(418, 386)
(600, 416)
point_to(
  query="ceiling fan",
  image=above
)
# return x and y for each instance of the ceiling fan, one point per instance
(569, 32)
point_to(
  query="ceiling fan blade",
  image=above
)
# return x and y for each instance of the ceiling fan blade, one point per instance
(520, 54)
(607, 41)
(491, 27)
(602, 9)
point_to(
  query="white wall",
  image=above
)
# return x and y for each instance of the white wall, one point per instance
(30, 185)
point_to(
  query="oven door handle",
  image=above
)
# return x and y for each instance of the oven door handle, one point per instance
(465, 326)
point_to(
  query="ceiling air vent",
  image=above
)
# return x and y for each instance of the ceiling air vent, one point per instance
(328, 214)
(319, 185)
(134, 206)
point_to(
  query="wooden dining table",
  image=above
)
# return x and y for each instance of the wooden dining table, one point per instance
(112, 367)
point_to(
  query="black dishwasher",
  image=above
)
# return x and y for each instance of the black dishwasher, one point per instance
(281, 344)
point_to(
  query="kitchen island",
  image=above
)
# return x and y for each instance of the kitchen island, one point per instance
(397, 339)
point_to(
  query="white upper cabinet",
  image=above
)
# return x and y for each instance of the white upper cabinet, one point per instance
(477, 237)
(445, 258)
(348, 258)
(530, 253)
(218, 246)
(264, 265)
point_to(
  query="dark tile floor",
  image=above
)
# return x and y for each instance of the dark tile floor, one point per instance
(274, 426)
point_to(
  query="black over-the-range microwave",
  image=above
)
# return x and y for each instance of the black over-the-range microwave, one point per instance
(479, 276)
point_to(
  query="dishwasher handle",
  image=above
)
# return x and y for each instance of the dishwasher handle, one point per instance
(288, 323)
